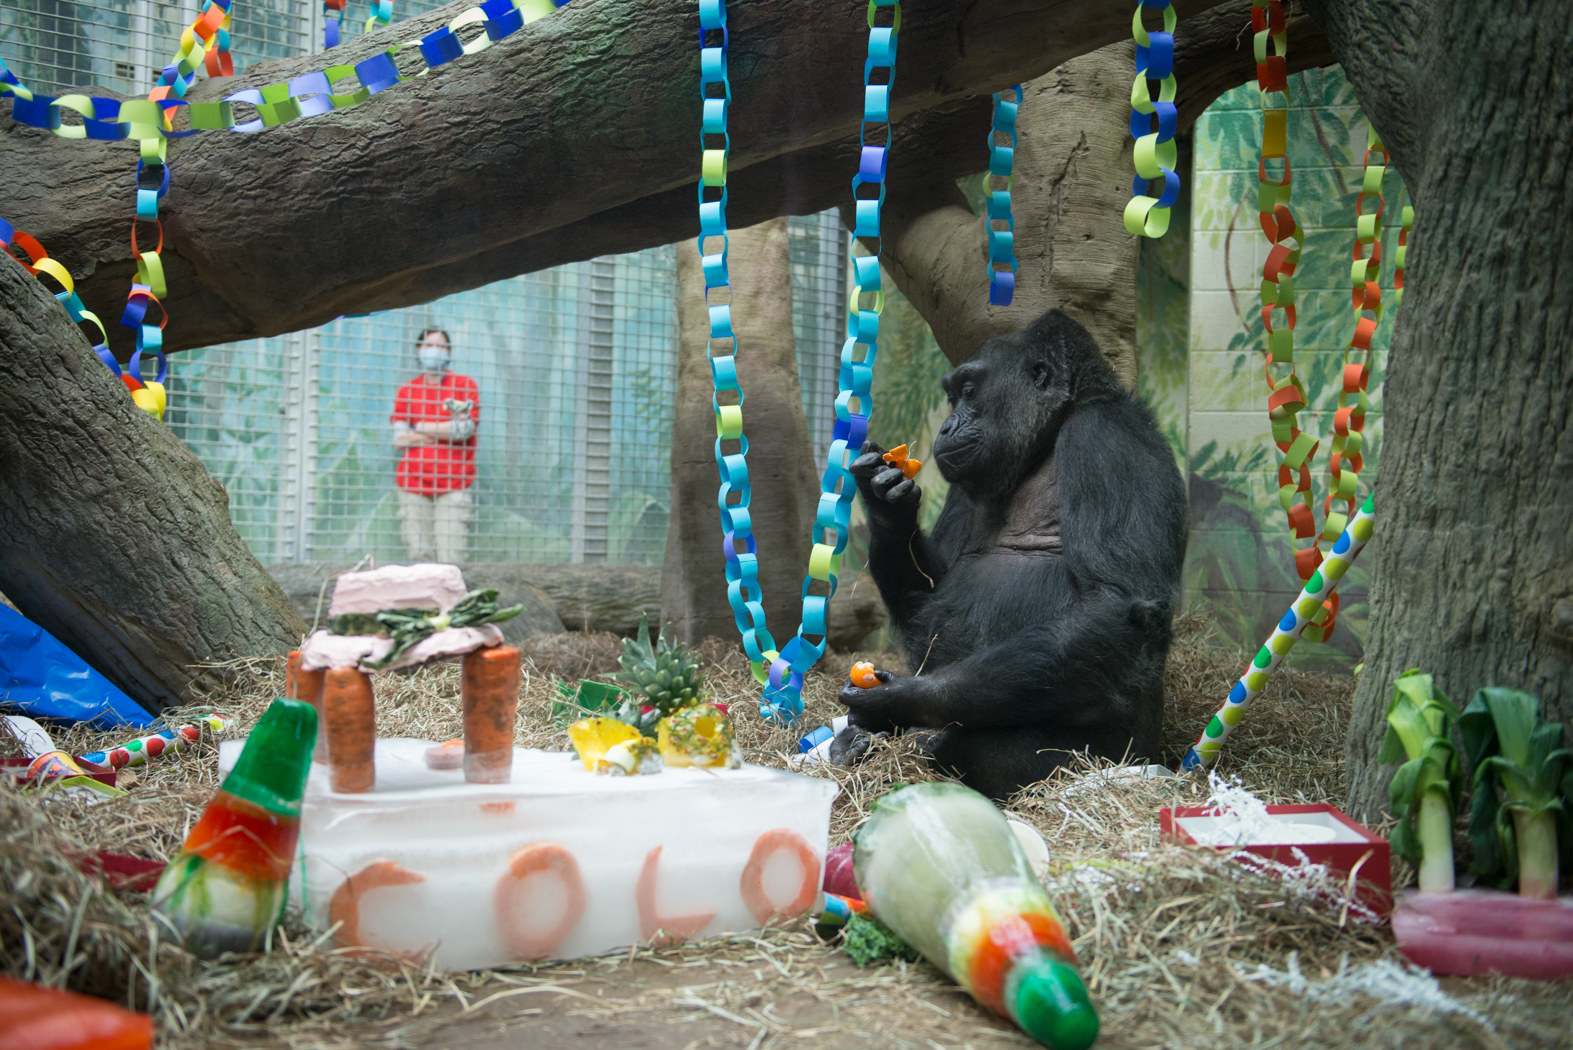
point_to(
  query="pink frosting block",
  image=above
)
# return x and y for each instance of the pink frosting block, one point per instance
(427, 585)
(322, 650)
(1475, 932)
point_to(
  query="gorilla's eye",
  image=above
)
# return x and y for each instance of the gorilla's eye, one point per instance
(967, 390)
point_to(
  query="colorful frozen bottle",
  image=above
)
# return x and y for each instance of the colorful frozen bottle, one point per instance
(940, 866)
(225, 889)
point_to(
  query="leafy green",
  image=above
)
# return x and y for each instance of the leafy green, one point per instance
(408, 626)
(867, 941)
(1426, 789)
(1523, 777)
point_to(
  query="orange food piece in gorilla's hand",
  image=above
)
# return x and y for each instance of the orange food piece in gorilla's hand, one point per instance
(863, 675)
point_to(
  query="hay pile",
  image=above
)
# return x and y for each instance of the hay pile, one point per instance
(1179, 947)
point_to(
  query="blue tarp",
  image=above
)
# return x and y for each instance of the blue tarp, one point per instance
(42, 678)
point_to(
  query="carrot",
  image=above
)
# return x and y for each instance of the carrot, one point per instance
(351, 714)
(291, 668)
(489, 690)
(308, 687)
(447, 755)
(910, 467)
(896, 455)
(863, 675)
(36, 1018)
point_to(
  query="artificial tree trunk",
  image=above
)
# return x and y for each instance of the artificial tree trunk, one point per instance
(112, 535)
(1472, 562)
(780, 459)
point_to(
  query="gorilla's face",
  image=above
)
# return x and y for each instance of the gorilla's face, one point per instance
(1008, 401)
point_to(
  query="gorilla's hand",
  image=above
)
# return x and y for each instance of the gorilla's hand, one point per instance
(850, 746)
(898, 700)
(890, 498)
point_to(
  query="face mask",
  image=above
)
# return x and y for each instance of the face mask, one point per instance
(432, 359)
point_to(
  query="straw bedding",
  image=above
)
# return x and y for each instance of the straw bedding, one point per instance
(1179, 947)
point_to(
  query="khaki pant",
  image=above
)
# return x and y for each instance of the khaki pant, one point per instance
(435, 527)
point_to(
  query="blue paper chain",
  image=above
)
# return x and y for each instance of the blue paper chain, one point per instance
(1156, 154)
(782, 701)
(1002, 239)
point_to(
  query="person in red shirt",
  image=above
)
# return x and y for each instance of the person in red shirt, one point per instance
(434, 419)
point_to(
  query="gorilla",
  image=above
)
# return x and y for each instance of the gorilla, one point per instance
(1039, 612)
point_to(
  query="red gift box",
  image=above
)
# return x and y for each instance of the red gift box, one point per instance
(1354, 850)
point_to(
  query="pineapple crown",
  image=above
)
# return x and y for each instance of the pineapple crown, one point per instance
(666, 672)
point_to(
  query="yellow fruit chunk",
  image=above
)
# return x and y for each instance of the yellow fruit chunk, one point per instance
(698, 735)
(593, 737)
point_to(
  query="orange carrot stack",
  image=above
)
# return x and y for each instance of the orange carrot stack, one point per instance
(489, 690)
(350, 711)
(307, 686)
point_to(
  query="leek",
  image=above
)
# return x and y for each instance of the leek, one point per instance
(1426, 789)
(1521, 775)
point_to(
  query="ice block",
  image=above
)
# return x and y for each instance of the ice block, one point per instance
(556, 863)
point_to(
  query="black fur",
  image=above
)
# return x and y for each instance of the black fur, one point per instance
(1039, 611)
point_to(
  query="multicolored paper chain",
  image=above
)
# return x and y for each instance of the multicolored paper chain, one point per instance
(781, 672)
(333, 13)
(1312, 600)
(1406, 212)
(149, 397)
(1286, 393)
(308, 95)
(1156, 154)
(1002, 238)
(1365, 275)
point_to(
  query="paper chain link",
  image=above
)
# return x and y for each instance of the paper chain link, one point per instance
(333, 12)
(1406, 213)
(148, 396)
(1318, 590)
(308, 95)
(1002, 238)
(782, 679)
(1286, 393)
(1156, 154)
(1365, 274)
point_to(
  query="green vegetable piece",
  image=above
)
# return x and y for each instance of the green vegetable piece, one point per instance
(1426, 789)
(1521, 785)
(867, 941)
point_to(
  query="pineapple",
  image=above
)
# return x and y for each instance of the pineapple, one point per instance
(667, 673)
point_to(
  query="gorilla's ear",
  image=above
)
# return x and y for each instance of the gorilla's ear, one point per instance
(1042, 373)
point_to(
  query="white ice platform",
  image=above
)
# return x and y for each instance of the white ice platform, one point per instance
(559, 863)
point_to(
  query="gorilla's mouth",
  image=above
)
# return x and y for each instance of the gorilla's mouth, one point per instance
(954, 460)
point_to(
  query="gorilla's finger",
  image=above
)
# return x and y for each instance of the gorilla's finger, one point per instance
(901, 492)
(867, 464)
(850, 745)
(870, 446)
(887, 479)
(884, 676)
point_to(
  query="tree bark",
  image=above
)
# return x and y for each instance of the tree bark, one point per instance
(566, 140)
(112, 535)
(1073, 169)
(1472, 563)
(780, 458)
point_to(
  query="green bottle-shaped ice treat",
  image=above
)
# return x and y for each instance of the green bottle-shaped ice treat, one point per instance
(225, 889)
(940, 866)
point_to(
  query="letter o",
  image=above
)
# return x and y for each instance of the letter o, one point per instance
(752, 884)
(344, 905)
(538, 857)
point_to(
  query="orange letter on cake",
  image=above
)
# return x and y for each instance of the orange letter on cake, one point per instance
(676, 927)
(344, 906)
(525, 941)
(752, 885)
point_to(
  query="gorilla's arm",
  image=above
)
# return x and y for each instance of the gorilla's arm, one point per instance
(1088, 658)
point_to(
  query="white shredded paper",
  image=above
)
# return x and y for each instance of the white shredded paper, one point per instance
(1387, 981)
